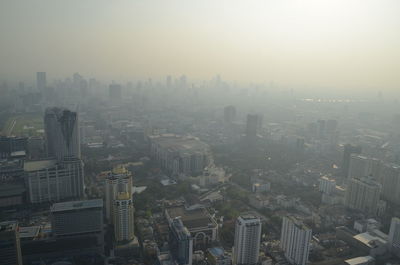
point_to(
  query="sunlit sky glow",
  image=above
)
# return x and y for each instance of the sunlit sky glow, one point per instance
(335, 43)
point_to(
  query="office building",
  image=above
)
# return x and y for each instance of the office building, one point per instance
(118, 180)
(50, 181)
(41, 82)
(348, 151)
(123, 217)
(390, 179)
(295, 240)
(10, 248)
(363, 194)
(77, 217)
(180, 243)
(247, 240)
(62, 133)
(394, 236)
(229, 114)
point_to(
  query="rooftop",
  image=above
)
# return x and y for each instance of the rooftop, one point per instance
(39, 165)
(359, 260)
(191, 218)
(76, 205)
(8, 226)
(29, 232)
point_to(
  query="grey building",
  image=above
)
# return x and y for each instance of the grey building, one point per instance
(181, 243)
(62, 133)
(10, 249)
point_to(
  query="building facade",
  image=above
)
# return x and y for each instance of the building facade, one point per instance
(181, 243)
(363, 194)
(123, 217)
(118, 180)
(247, 240)
(394, 236)
(10, 248)
(62, 133)
(295, 240)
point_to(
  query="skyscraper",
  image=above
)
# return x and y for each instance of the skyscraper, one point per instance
(41, 82)
(252, 124)
(394, 236)
(348, 151)
(181, 243)
(247, 240)
(124, 217)
(363, 194)
(62, 133)
(295, 240)
(118, 180)
(10, 248)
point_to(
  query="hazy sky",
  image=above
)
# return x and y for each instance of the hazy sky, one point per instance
(342, 43)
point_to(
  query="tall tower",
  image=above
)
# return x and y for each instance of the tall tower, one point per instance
(363, 194)
(62, 133)
(295, 240)
(181, 242)
(394, 236)
(123, 217)
(41, 82)
(118, 180)
(10, 248)
(247, 240)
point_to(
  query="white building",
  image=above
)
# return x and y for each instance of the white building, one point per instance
(295, 240)
(327, 185)
(247, 240)
(363, 194)
(394, 236)
(124, 217)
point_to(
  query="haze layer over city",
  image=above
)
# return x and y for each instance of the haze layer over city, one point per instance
(261, 132)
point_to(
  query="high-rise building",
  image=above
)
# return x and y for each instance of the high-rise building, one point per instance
(348, 151)
(252, 124)
(362, 166)
(295, 240)
(394, 236)
(124, 217)
(181, 243)
(77, 217)
(327, 185)
(229, 114)
(10, 248)
(247, 240)
(50, 181)
(390, 179)
(62, 133)
(118, 180)
(41, 82)
(363, 194)
(12, 146)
